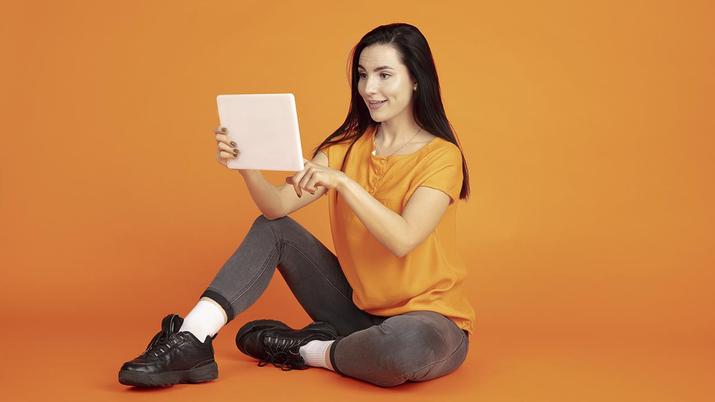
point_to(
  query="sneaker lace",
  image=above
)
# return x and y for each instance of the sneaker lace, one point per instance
(160, 336)
(282, 353)
(164, 345)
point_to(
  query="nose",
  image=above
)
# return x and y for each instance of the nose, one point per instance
(370, 86)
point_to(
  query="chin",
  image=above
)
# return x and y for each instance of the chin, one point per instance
(377, 119)
(380, 117)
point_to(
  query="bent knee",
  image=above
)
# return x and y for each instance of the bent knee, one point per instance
(408, 349)
(263, 220)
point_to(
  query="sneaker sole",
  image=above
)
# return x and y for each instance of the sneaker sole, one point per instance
(250, 326)
(195, 375)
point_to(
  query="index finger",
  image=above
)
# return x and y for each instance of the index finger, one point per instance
(295, 181)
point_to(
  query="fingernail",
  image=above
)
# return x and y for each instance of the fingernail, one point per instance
(233, 143)
(223, 129)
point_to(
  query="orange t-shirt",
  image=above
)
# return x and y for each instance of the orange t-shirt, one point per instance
(430, 277)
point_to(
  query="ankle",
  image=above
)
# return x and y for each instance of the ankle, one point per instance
(204, 320)
(317, 354)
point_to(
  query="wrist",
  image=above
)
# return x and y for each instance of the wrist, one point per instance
(343, 182)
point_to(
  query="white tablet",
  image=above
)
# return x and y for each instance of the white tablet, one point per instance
(265, 130)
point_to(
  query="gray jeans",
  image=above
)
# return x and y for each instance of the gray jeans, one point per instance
(386, 351)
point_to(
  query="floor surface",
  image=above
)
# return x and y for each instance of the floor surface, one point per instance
(64, 362)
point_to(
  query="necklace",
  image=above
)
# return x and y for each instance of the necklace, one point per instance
(374, 149)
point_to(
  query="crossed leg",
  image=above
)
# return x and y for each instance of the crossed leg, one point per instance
(385, 351)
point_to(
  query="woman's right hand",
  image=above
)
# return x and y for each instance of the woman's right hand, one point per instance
(226, 148)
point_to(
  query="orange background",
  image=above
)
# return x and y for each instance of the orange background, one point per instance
(588, 133)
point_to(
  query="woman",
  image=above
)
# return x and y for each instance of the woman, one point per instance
(389, 307)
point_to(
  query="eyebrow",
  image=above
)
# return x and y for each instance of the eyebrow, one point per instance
(378, 68)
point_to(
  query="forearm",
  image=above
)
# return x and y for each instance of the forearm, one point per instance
(265, 195)
(388, 227)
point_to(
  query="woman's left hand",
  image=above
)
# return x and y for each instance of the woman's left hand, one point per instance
(314, 175)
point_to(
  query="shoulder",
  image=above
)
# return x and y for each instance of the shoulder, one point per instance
(337, 151)
(443, 150)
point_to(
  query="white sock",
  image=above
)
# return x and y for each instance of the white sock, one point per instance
(317, 354)
(205, 319)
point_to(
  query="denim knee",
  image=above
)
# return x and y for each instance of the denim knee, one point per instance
(273, 223)
(261, 220)
(409, 349)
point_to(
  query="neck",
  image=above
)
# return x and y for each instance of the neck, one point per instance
(396, 132)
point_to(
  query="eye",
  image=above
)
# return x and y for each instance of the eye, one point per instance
(383, 75)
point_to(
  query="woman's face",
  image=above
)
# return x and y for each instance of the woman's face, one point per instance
(384, 78)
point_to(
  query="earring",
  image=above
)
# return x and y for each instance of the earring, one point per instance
(414, 88)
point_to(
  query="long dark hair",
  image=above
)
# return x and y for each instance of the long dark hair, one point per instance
(428, 110)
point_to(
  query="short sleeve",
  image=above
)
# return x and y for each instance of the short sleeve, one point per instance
(330, 152)
(335, 153)
(444, 172)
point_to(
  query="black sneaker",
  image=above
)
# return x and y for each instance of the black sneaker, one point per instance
(171, 359)
(272, 341)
